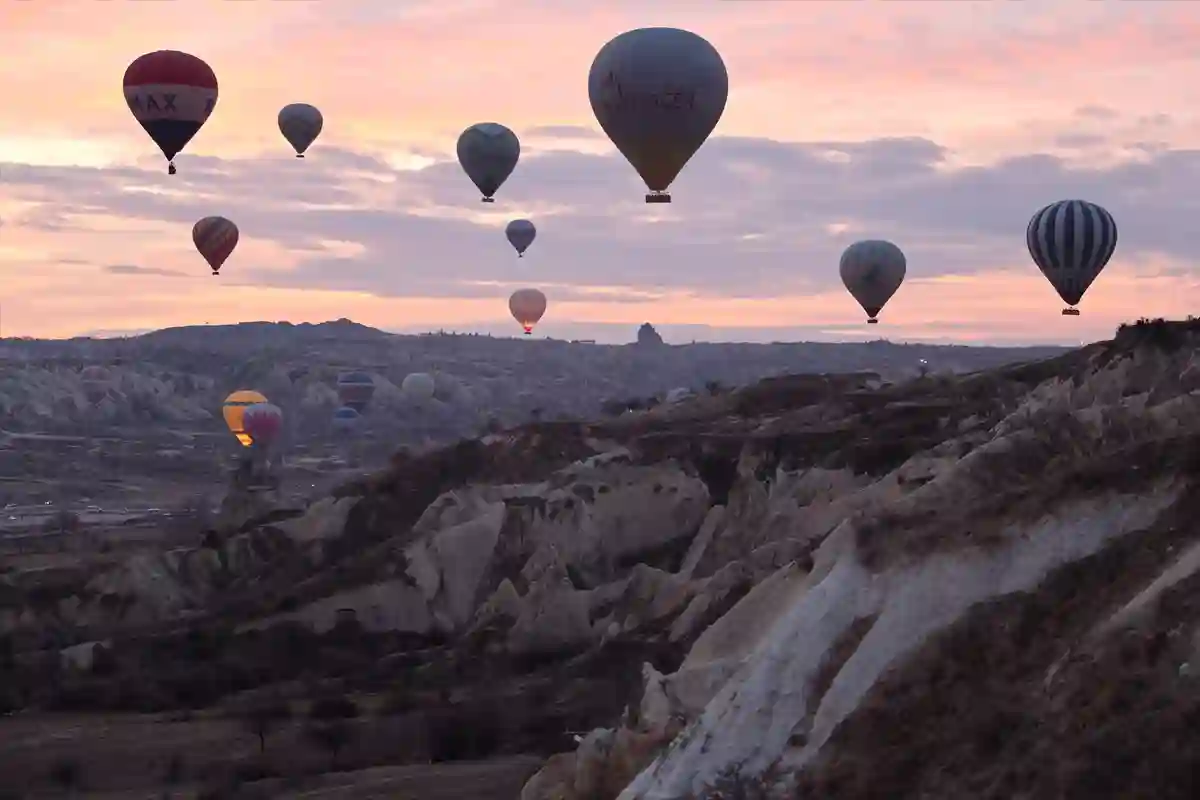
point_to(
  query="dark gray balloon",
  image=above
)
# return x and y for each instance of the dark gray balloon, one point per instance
(658, 93)
(520, 233)
(488, 153)
(300, 124)
(872, 271)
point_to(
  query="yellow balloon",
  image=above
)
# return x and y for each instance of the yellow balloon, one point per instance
(234, 410)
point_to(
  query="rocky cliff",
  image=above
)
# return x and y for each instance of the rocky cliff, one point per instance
(815, 586)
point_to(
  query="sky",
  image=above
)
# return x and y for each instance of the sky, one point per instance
(942, 126)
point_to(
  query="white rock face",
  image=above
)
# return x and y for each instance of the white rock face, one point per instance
(750, 720)
(746, 683)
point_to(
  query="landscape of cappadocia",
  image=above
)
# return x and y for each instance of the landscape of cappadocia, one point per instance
(466, 400)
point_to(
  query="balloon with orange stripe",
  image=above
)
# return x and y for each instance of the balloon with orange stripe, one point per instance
(215, 238)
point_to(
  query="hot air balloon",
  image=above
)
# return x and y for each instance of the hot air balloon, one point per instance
(355, 390)
(488, 153)
(234, 412)
(262, 423)
(300, 124)
(172, 95)
(658, 93)
(215, 238)
(96, 382)
(527, 307)
(1071, 241)
(418, 385)
(520, 233)
(873, 270)
(346, 419)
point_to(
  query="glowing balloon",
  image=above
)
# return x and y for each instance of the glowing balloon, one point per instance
(658, 93)
(172, 95)
(215, 238)
(488, 153)
(527, 307)
(872, 271)
(300, 124)
(1071, 241)
(234, 412)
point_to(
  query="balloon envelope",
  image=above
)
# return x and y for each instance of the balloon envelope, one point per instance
(872, 271)
(262, 423)
(300, 124)
(418, 386)
(355, 390)
(527, 307)
(234, 412)
(171, 95)
(520, 233)
(658, 93)
(215, 238)
(346, 419)
(488, 153)
(1071, 241)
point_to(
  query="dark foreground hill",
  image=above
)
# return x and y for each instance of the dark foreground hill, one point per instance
(814, 586)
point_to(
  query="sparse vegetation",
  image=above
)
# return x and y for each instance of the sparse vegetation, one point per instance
(207, 631)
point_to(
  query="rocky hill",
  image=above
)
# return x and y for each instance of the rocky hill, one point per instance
(177, 378)
(813, 586)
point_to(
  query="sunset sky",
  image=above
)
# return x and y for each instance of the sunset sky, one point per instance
(939, 125)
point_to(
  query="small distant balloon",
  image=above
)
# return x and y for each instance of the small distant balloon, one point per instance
(300, 124)
(658, 93)
(346, 419)
(355, 390)
(171, 95)
(520, 233)
(872, 271)
(488, 153)
(1071, 242)
(234, 411)
(215, 238)
(527, 307)
(262, 423)
(418, 386)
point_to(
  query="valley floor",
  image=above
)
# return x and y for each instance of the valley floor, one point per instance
(123, 757)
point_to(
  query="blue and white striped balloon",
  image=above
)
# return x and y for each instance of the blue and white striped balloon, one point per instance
(1071, 241)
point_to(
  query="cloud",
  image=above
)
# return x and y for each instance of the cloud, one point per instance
(131, 269)
(563, 132)
(940, 126)
(751, 217)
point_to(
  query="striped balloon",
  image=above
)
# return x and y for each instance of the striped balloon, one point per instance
(1071, 241)
(215, 238)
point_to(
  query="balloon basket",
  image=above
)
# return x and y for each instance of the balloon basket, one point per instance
(299, 155)
(658, 197)
(1070, 312)
(487, 200)
(872, 321)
